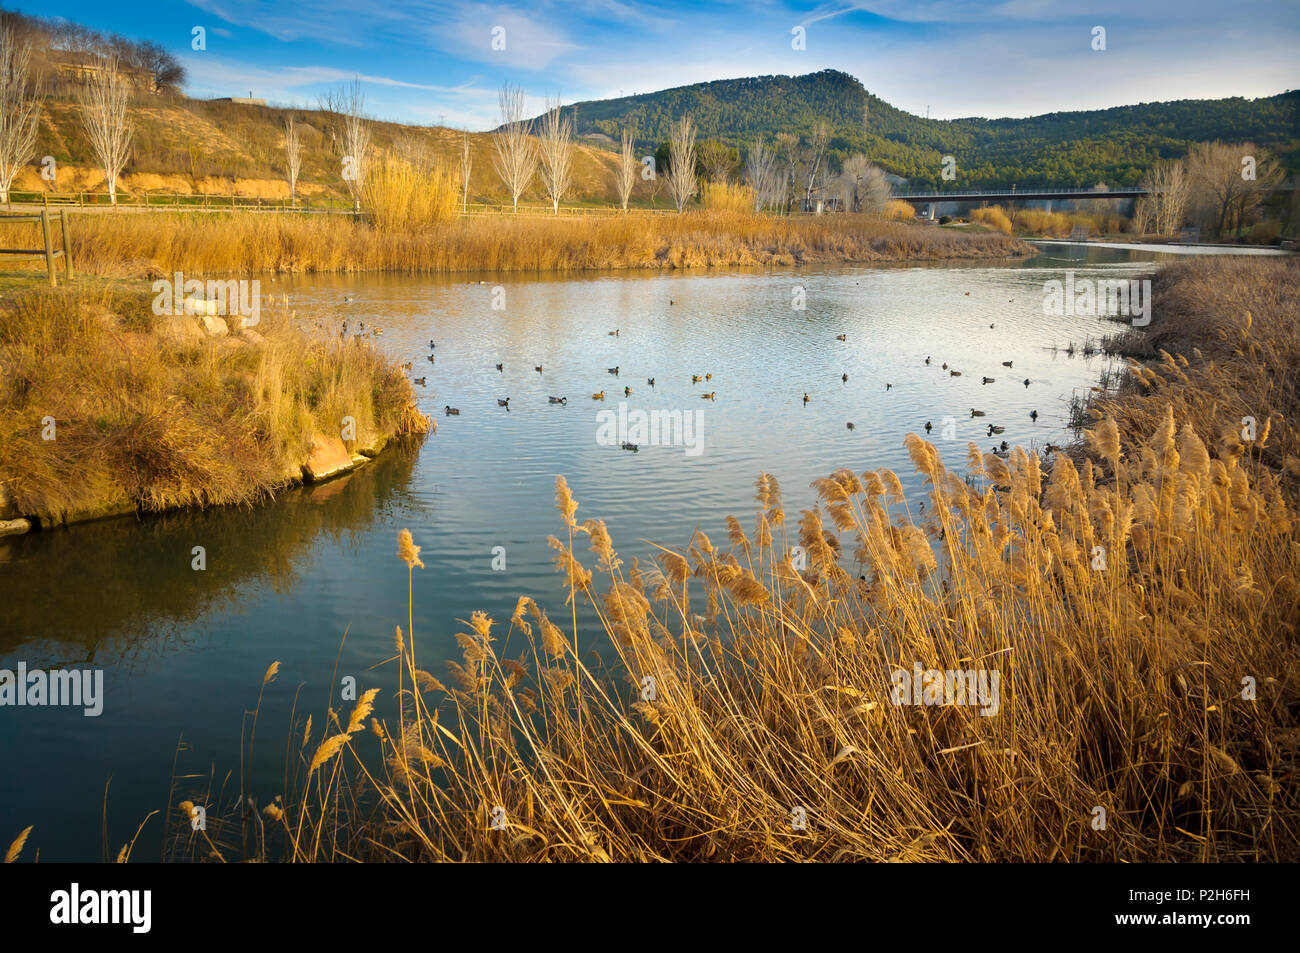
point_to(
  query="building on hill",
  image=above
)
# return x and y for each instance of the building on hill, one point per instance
(74, 67)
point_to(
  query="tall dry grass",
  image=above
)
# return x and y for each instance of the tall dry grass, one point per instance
(731, 197)
(994, 217)
(138, 244)
(400, 196)
(1160, 683)
(156, 421)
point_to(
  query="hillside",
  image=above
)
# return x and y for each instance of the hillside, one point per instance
(192, 146)
(1067, 148)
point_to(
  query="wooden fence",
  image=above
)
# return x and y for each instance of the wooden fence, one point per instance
(218, 203)
(46, 219)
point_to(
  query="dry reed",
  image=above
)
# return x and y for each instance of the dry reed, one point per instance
(1137, 599)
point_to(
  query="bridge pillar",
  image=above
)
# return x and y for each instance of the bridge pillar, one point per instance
(932, 211)
(1049, 206)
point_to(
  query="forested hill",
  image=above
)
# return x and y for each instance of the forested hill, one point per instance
(1115, 146)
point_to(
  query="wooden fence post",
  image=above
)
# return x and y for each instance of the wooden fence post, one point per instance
(67, 245)
(49, 246)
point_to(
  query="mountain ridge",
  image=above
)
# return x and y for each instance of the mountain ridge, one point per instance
(1115, 145)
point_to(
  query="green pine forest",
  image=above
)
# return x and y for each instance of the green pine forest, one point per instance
(1115, 146)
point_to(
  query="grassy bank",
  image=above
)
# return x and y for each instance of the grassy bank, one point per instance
(1138, 604)
(132, 244)
(105, 407)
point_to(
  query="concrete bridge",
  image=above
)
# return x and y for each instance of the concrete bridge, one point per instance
(1037, 194)
(1034, 194)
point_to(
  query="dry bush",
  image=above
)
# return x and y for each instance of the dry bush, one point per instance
(898, 210)
(160, 423)
(727, 197)
(400, 195)
(993, 217)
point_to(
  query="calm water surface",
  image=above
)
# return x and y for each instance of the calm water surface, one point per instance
(183, 652)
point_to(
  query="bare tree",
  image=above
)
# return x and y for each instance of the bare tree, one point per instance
(787, 148)
(18, 110)
(817, 143)
(1164, 208)
(764, 176)
(104, 99)
(625, 171)
(717, 160)
(854, 170)
(682, 184)
(515, 161)
(556, 142)
(356, 138)
(1223, 193)
(873, 190)
(292, 157)
(466, 165)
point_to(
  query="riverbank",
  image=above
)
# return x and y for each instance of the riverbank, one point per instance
(107, 409)
(143, 245)
(1125, 624)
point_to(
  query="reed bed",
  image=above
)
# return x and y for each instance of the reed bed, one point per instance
(1138, 600)
(131, 244)
(145, 418)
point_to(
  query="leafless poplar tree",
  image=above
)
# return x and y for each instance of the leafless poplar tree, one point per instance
(356, 138)
(104, 99)
(18, 110)
(682, 184)
(1164, 208)
(626, 170)
(466, 166)
(292, 157)
(817, 143)
(764, 177)
(515, 161)
(556, 144)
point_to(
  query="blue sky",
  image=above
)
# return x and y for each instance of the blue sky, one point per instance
(429, 61)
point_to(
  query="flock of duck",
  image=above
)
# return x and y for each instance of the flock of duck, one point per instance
(1000, 450)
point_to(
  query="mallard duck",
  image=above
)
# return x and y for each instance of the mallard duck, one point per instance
(708, 377)
(418, 380)
(600, 396)
(696, 378)
(841, 337)
(538, 368)
(503, 403)
(844, 378)
(500, 367)
(806, 398)
(631, 446)
(451, 411)
(612, 370)
(993, 429)
(1026, 381)
(1006, 363)
(927, 359)
(954, 373)
(928, 426)
(558, 400)
(650, 381)
(1033, 415)
(627, 392)
(976, 413)
(987, 380)
(887, 386)
(712, 396)
(850, 425)
(614, 333)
